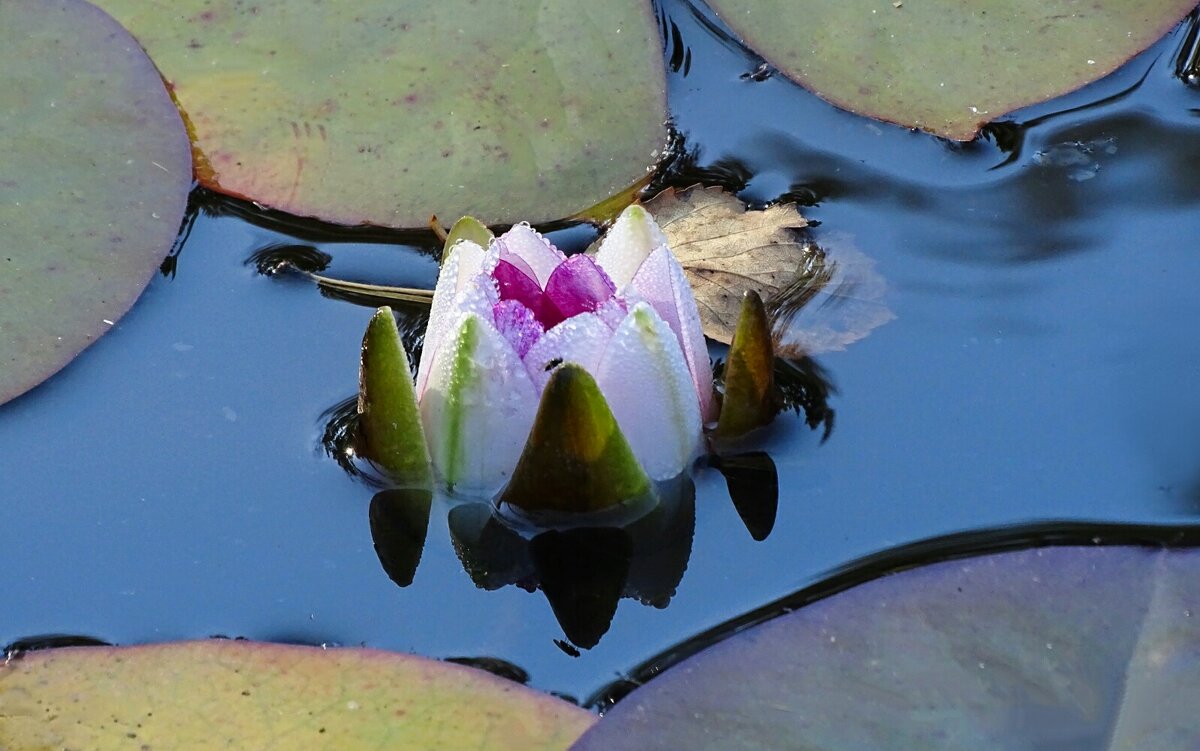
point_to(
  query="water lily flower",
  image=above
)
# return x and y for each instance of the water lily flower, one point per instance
(505, 317)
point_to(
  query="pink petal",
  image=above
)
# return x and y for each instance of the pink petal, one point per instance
(462, 285)
(519, 262)
(536, 251)
(517, 324)
(645, 379)
(515, 284)
(661, 281)
(577, 286)
(628, 243)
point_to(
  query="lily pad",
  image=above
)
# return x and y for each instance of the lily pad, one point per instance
(384, 113)
(947, 66)
(93, 186)
(235, 694)
(1066, 648)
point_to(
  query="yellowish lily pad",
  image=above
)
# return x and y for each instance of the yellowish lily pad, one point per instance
(244, 695)
(382, 113)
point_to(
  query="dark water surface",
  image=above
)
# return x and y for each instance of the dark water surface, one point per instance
(1042, 366)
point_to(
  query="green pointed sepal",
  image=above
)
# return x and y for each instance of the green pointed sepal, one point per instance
(467, 228)
(389, 420)
(750, 399)
(576, 458)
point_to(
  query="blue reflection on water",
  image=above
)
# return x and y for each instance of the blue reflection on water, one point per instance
(169, 483)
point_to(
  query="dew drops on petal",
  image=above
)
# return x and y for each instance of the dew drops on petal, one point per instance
(517, 324)
(578, 285)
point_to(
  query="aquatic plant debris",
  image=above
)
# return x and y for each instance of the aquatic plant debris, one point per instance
(381, 113)
(1058, 647)
(93, 187)
(221, 694)
(820, 298)
(947, 66)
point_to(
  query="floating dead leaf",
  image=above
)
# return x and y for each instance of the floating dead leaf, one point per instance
(819, 301)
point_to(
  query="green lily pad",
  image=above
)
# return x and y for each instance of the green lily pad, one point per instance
(245, 695)
(385, 113)
(93, 182)
(1066, 648)
(947, 66)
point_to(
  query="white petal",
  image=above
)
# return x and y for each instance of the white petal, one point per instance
(628, 243)
(459, 288)
(645, 379)
(580, 339)
(478, 407)
(662, 282)
(613, 310)
(533, 249)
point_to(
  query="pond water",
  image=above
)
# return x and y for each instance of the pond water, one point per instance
(170, 483)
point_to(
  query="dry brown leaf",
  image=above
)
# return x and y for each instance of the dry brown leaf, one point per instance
(818, 302)
(727, 250)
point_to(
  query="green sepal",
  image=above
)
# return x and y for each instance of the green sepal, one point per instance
(388, 418)
(750, 398)
(576, 458)
(467, 228)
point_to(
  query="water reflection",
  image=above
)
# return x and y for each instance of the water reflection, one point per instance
(753, 484)
(583, 571)
(583, 564)
(1187, 61)
(399, 525)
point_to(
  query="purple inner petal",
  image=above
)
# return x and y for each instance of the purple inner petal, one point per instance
(515, 284)
(577, 286)
(507, 256)
(517, 324)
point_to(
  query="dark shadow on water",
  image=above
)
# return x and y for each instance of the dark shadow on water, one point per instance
(495, 666)
(683, 167)
(214, 204)
(170, 264)
(399, 525)
(924, 552)
(583, 571)
(753, 484)
(279, 258)
(308, 229)
(15, 649)
(1187, 60)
